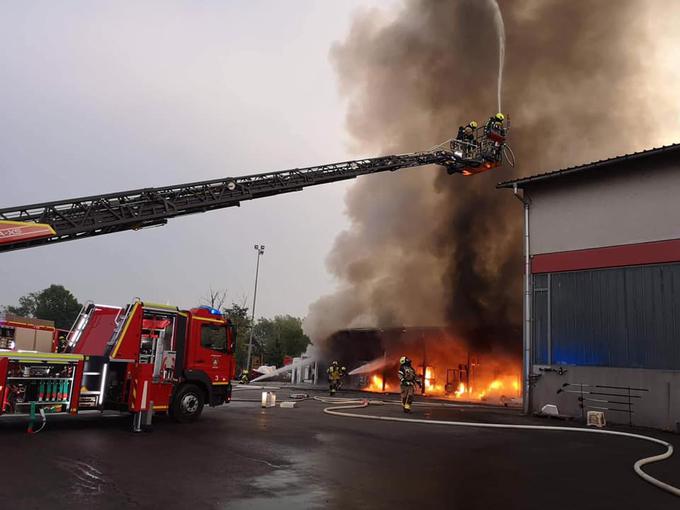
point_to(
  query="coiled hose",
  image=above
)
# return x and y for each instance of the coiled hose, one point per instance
(346, 403)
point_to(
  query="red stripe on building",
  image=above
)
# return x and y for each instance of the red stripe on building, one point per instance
(657, 252)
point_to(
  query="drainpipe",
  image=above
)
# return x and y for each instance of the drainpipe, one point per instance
(526, 365)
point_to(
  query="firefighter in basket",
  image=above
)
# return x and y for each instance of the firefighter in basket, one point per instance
(465, 140)
(495, 131)
(495, 125)
(335, 374)
(408, 379)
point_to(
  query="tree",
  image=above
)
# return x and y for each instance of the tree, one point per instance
(238, 315)
(55, 303)
(266, 331)
(281, 336)
(273, 339)
(26, 307)
(215, 298)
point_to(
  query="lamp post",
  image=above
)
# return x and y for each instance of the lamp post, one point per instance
(259, 248)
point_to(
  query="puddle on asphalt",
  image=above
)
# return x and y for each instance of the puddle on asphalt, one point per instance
(281, 489)
(85, 480)
(324, 437)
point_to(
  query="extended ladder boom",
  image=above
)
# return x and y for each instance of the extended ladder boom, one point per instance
(65, 220)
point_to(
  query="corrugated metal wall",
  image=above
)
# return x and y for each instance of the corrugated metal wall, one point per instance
(621, 317)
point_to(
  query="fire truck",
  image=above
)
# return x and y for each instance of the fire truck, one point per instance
(146, 358)
(142, 358)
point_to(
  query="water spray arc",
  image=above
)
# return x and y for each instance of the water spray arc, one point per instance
(500, 28)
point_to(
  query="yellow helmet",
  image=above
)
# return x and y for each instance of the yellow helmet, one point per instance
(473, 124)
(500, 116)
(403, 360)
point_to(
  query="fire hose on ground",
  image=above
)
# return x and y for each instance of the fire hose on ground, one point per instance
(339, 410)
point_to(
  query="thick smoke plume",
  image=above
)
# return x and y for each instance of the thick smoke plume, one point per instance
(581, 83)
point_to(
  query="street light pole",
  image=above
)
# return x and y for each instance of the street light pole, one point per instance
(260, 251)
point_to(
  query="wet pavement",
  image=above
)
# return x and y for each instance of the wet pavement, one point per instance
(241, 456)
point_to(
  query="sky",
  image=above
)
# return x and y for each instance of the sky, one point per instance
(97, 97)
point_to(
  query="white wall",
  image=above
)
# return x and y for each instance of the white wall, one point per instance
(659, 407)
(632, 202)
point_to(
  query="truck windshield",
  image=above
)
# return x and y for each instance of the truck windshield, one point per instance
(214, 337)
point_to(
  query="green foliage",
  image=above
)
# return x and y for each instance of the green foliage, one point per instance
(273, 339)
(279, 337)
(238, 315)
(26, 307)
(54, 303)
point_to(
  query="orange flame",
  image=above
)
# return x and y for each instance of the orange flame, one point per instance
(497, 388)
(376, 384)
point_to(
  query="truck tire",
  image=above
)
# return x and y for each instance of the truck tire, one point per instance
(187, 404)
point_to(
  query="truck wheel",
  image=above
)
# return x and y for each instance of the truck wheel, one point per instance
(187, 404)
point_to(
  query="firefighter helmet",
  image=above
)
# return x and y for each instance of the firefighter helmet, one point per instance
(404, 360)
(500, 116)
(473, 124)
(335, 363)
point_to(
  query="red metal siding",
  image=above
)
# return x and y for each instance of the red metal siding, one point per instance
(657, 252)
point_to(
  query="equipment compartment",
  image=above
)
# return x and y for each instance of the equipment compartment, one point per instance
(34, 381)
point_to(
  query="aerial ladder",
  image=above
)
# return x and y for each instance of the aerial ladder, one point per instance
(65, 220)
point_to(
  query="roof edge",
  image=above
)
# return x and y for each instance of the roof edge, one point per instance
(523, 181)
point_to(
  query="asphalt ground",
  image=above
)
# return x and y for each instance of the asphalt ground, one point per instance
(241, 456)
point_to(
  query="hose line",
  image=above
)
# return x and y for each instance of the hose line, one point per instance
(340, 410)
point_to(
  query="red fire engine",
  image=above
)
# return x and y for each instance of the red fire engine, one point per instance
(142, 358)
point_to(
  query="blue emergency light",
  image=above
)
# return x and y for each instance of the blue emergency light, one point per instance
(213, 311)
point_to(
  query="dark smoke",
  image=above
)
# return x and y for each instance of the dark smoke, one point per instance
(426, 248)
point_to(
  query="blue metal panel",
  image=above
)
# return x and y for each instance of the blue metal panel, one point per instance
(621, 317)
(587, 310)
(653, 315)
(539, 334)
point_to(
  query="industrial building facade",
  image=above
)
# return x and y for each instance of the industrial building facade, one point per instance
(603, 297)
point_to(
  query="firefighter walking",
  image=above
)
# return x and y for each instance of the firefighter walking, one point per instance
(335, 373)
(244, 379)
(408, 380)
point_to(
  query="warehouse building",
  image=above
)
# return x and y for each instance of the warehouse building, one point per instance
(602, 300)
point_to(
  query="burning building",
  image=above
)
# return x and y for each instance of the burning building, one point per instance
(422, 248)
(447, 364)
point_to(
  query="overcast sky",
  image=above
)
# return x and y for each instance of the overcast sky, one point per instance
(98, 97)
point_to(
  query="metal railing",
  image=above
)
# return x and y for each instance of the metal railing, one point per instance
(598, 397)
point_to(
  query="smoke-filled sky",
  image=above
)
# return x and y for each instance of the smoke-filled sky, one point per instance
(583, 81)
(110, 96)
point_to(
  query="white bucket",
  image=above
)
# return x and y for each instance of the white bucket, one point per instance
(268, 399)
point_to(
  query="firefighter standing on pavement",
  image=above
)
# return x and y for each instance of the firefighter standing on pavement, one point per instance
(335, 373)
(408, 379)
(244, 377)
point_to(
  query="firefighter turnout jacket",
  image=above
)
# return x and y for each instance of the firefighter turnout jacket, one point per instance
(408, 376)
(335, 373)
